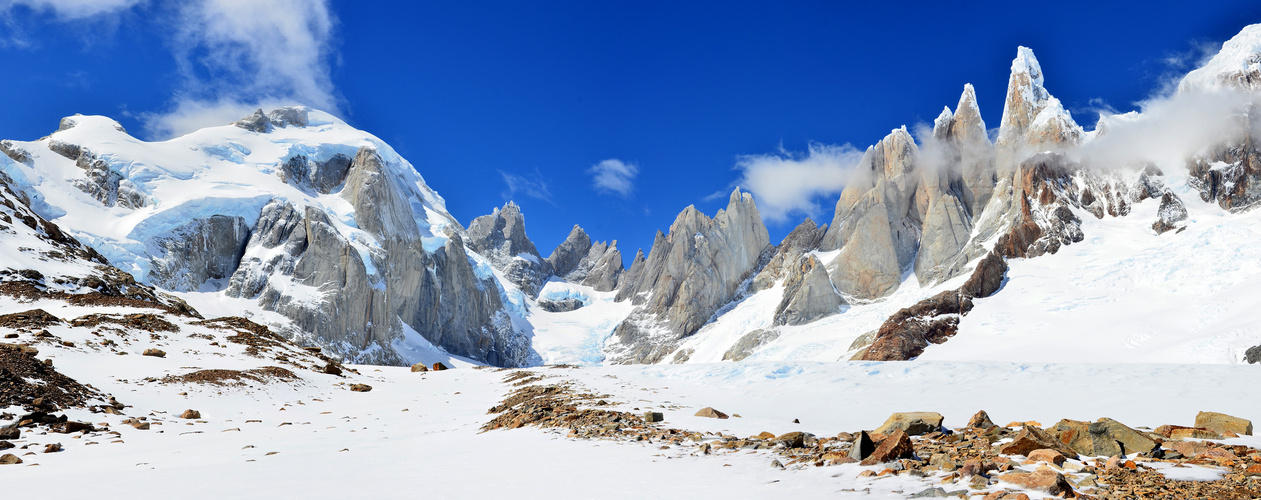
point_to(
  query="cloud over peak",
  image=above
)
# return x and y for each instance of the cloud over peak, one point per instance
(613, 176)
(786, 183)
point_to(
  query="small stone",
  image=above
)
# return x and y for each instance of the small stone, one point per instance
(52, 448)
(157, 353)
(191, 414)
(419, 367)
(711, 413)
(360, 387)
(9, 459)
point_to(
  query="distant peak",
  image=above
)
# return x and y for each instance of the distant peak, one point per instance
(1237, 65)
(1025, 62)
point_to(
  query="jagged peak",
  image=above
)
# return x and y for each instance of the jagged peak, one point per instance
(1025, 62)
(1237, 65)
(1026, 97)
(941, 125)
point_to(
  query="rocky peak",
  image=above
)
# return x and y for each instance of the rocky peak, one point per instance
(566, 257)
(1026, 97)
(968, 126)
(261, 122)
(500, 237)
(1236, 66)
(895, 154)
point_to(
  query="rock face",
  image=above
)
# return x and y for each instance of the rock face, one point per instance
(198, 252)
(500, 237)
(808, 295)
(947, 231)
(931, 321)
(687, 276)
(577, 260)
(1222, 423)
(867, 267)
(1170, 213)
(319, 176)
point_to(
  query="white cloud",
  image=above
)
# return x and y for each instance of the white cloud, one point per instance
(530, 185)
(614, 176)
(786, 183)
(240, 55)
(72, 9)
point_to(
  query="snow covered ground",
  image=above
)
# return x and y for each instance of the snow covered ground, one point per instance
(418, 433)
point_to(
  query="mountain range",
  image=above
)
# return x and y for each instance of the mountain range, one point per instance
(948, 242)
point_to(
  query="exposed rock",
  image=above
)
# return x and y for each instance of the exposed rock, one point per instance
(987, 278)
(688, 275)
(319, 176)
(808, 295)
(980, 421)
(653, 416)
(786, 260)
(157, 353)
(913, 423)
(947, 230)
(438, 366)
(749, 343)
(1043, 479)
(711, 413)
(1222, 423)
(256, 122)
(9, 459)
(892, 447)
(905, 334)
(501, 238)
(1170, 213)
(1253, 354)
(419, 367)
(564, 305)
(887, 176)
(867, 267)
(795, 439)
(601, 269)
(197, 252)
(1132, 441)
(1032, 438)
(1047, 455)
(360, 387)
(15, 153)
(191, 414)
(565, 258)
(862, 446)
(288, 116)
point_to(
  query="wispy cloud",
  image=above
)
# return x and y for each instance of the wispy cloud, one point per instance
(614, 176)
(786, 183)
(235, 55)
(532, 185)
(68, 10)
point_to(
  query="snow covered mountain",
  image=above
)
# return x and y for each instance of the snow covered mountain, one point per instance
(954, 246)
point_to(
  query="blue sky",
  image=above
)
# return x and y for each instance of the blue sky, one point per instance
(611, 115)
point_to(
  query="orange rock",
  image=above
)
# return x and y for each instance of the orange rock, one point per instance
(1047, 455)
(1129, 464)
(1044, 479)
(896, 445)
(1030, 423)
(1253, 469)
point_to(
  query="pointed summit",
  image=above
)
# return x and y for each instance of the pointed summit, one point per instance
(968, 125)
(1031, 116)
(1237, 65)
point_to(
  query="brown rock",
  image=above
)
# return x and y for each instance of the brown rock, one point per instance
(1044, 479)
(157, 353)
(52, 448)
(10, 459)
(1032, 438)
(765, 436)
(1047, 455)
(1193, 433)
(980, 421)
(10, 433)
(1221, 422)
(793, 439)
(360, 387)
(1190, 449)
(913, 423)
(439, 366)
(894, 446)
(711, 413)
(986, 278)
(191, 414)
(419, 367)
(332, 369)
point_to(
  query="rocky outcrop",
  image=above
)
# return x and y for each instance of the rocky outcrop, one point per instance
(319, 176)
(947, 230)
(262, 123)
(867, 267)
(197, 253)
(100, 180)
(687, 276)
(749, 343)
(500, 237)
(808, 295)
(1229, 173)
(887, 176)
(1170, 213)
(1033, 120)
(566, 257)
(907, 333)
(601, 268)
(800, 241)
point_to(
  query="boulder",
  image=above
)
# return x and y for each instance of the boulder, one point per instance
(653, 416)
(1033, 438)
(360, 387)
(1044, 479)
(795, 439)
(1047, 455)
(980, 421)
(1222, 423)
(862, 447)
(711, 413)
(191, 414)
(419, 367)
(913, 423)
(439, 367)
(157, 353)
(1170, 213)
(1131, 440)
(9, 459)
(10, 433)
(894, 446)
